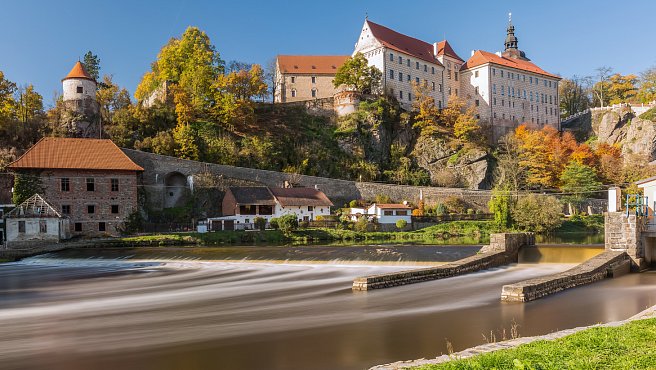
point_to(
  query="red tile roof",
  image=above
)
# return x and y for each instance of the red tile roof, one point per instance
(78, 71)
(301, 197)
(402, 43)
(80, 154)
(444, 48)
(481, 57)
(311, 64)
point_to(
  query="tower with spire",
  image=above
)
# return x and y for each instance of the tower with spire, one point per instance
(511, 44)
(79, 98)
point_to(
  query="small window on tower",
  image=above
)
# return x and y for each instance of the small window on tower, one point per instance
(80, 89)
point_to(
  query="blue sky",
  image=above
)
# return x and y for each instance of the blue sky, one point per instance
(41, 40)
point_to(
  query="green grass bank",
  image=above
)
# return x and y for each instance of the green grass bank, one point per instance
(629, 346)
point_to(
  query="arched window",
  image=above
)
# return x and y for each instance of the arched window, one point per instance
(293, 93)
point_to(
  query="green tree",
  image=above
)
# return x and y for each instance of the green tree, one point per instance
(260, 223)
(26, 185)
(356, 74)
(91, 64)
(401, 224)
(501, 204)
(579, 181)
(288, 223)
(537, 213)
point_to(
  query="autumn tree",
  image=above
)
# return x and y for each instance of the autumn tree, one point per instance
(28, 104)
(7, 102)
(647, 91)
(356, 74)
(91, 64)
(234, 94)
(573, 96)
(600, 98)
(427, 114)
(622, 89)
(190, 62)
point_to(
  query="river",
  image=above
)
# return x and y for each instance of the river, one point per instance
(137, 309)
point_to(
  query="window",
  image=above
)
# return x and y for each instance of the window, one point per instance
(80, 89)
(494, 101)
(101, 226)
(494, 89)
(293, 93)
(400, 76)
(66, 209)
(21, 226)
(476, 74)
(408, 78)
(65, 184)
(293, 79)
(448, 74)
(440, 86)
(433, 86)
(476, 90)
(503, 103)
(314, 93)
(400, 94)
(91, 185)
(247, 210)
(502, 73)
(391, 57)
(408, 60)
(43, 227)
(391, 74)
(425, 68)
(265, 210)
(449, 91)
(310, 208)
(409, 96)
(417, 80)
(477, 103)
(417, 65)
(91, 209)
(439, 104)
(314, 80)
(503, 90)
(78, 226)
(494, 71)
(433, 70)
(400, 60)
(114, 183)
(115, 208)
(401, 213)
(425, 83)
(455, 75)
(388, 213)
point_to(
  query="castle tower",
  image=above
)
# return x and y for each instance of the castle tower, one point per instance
(80, 99)
(511, 43)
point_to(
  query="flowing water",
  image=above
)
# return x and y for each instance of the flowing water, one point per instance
(117, 309)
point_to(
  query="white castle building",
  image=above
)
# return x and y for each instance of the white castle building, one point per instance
(506, 87)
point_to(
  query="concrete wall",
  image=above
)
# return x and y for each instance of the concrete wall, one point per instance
(54, 229)
(502, 250)
(594, 269)
(340, 192)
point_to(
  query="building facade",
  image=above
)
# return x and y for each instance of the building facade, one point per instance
(306, 77)
(89, 181)
(506, 88)
(35, 220)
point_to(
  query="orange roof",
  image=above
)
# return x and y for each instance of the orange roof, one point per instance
(444, 48)
(481, 57)
(78, 71)
(402, 43)
(311, 64)
(79, 154)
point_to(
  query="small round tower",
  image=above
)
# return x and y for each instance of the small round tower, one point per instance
(80, 98)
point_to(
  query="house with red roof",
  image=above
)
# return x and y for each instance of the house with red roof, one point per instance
(306, 77)
(91, 182)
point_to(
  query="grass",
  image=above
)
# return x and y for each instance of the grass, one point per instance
(649, 115)
(630, 346)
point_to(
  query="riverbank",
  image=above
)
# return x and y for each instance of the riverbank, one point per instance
(626, 344)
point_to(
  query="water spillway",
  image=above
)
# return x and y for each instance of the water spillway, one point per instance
(123, 312)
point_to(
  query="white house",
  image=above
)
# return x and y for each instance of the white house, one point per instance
(384, 213)
(241, 205)
(36, 220)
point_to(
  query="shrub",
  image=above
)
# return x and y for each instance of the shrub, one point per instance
(417, 212)
(353, 203)
(455, 204)
(470, 211)
(401, 224)
(288, 223)
(440, 209)
(537, 213)
(274, 223)
(383, 199)
(361, 224)
(133, 224)
(260, 223)
(303, 224)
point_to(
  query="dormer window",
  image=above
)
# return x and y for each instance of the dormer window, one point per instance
(80, 89)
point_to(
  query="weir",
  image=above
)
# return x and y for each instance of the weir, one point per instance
(502, 250)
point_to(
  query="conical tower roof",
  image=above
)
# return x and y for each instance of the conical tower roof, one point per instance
(78, 71)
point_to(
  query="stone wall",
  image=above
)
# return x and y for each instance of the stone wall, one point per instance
(624, 234)
(502, 250)
(594, 269)
(158, 167)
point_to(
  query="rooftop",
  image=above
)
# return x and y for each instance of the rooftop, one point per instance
(78, 71)
(258, 195)
(78, 154)
(444, 48)
(301, 197)
(311, 64)
(481, 57)
(402, 43)
(393, 206)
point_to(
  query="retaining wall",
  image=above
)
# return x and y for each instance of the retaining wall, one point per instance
(594, 269)
(502, 250)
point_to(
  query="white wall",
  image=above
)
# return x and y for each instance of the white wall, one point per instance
(32, 229)
(70, 89)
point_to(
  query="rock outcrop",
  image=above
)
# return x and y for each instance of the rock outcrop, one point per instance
(621, 126)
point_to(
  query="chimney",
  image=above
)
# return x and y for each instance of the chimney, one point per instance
(498, 53)
(473, 51)
(405, 202)
(435, 49)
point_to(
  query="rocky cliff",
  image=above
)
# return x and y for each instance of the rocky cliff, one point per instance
(621, 126)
